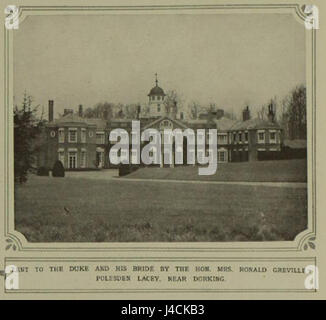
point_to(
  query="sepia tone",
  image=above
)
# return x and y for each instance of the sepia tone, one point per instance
(71, 191)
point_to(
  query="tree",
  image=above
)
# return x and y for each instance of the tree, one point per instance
(27, 130)
(130, 111)
(295, 113)
(103, 110)
(172, 102)
(230, 115)
(194, 110)
(262, 112)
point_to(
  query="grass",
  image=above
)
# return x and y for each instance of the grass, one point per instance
(258, 171)
(115, 210)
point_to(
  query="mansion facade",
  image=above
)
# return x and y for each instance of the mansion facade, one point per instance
(83, 143)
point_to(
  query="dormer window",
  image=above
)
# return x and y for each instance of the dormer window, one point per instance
(158, 98)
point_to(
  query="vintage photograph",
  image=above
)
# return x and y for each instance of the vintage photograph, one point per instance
(100, 102)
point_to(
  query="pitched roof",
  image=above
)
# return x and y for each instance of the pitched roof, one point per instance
(69, 118)
(100, 123)
(224, 123)
(178, 122)
(255, 124)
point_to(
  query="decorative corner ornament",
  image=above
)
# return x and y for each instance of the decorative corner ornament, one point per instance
(312, 17)
(10, 244)
(12, 17)
(310, 244)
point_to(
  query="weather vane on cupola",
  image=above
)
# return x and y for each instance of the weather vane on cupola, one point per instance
(156, 81)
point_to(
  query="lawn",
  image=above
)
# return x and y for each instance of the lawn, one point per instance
(76, 209)
(258, 171)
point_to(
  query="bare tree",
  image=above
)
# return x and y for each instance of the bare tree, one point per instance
(262, 112)
(172, 101)
(295, 113)
(194, 109)
(230, 115)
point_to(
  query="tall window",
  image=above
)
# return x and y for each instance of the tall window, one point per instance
(272, 137)
(221, 156)
(83, 135)
(158, 108)
(100, 138)
(61, 135)
(261, 136)
(240, 137)
(72, 159)
(83, 159)
(234, 137)
(246, 136)
(72, 135)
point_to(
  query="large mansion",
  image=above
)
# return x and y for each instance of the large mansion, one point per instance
(80, 142)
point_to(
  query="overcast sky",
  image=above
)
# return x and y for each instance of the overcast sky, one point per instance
(228, 59)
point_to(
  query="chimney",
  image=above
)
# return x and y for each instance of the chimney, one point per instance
(271, 112)
(50, 110)
(246, 114)
(80, 111)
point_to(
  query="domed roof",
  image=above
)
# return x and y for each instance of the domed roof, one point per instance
(156, 91)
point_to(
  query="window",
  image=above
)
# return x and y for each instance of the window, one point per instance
(272, 137)
(72, 135)
(61, 135)
(246, 136)
(222, 139)
(221, 156)
(83, 159)
(158, 108)
(158, 98)
(261, 136)
(61, 156)
(100, 157)
(100, 138)
(83, 135)
(234, 137)
(240, 137)
(72, 159)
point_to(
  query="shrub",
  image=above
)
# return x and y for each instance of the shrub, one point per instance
(58, 169)
(125, 169)
(43, 171)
